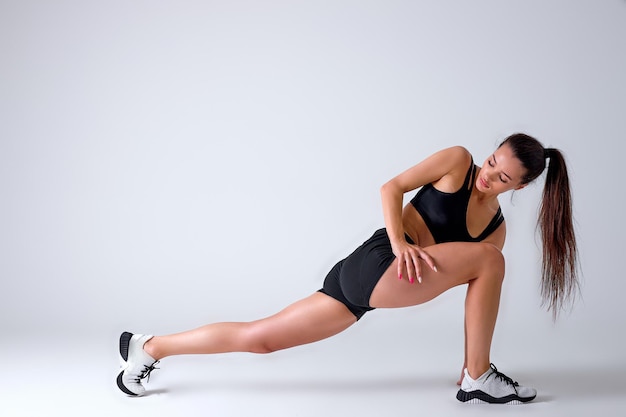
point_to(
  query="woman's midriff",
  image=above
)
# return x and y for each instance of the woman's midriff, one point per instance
(415, 226)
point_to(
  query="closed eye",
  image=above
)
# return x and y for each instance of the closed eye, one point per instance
(492, 163)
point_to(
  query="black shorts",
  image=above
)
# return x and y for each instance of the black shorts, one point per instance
(352, 280)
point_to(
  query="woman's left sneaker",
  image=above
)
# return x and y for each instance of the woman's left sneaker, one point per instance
(136, 363)
(493, 387)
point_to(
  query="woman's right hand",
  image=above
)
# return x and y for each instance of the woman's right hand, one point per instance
(409, 257)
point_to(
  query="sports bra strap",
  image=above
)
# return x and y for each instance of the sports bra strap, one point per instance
(469, 177)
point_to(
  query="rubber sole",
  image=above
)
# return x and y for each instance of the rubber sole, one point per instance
(124, 343)
(480, 397)
(478, 401)
(121, 386)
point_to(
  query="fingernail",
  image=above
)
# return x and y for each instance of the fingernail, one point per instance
(400, 276)
(419, 279)
(411, 280)
(435, 268)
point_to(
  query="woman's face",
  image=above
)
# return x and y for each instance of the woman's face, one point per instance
(500, 172)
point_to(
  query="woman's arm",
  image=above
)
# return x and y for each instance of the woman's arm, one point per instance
(450, 162)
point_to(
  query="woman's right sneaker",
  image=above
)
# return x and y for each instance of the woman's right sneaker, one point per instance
(136, 363)
(493, 387)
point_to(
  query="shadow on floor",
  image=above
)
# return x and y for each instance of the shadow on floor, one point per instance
(552, 384)
(581, 383)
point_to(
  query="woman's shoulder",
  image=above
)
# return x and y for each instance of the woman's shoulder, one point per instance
(452, 166)
(458, 155)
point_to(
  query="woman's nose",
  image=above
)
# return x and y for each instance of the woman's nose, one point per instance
(491, 174)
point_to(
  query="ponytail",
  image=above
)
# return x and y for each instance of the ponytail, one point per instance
(559, 271)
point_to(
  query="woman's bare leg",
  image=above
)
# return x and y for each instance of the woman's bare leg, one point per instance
(480, 265)
(308, 320)
(464, 353)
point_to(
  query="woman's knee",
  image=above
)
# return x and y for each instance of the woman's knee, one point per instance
(262, 348)
(257, 340)
(492, 259)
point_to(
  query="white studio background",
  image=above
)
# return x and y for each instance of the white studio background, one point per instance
(168, 164)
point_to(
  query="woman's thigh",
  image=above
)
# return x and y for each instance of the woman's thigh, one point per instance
(457, 263)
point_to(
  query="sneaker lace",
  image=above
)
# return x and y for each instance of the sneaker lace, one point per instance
(147, 369)
(503, 377)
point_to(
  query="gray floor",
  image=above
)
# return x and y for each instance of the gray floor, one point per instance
(75, 377)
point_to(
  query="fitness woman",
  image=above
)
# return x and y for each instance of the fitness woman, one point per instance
(451, 233)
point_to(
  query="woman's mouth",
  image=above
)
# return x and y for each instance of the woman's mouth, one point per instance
(483, 183)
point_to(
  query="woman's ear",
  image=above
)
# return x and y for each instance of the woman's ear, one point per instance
(519, 187)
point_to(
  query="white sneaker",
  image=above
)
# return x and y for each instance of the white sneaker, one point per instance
(136, 363)
(493, 387)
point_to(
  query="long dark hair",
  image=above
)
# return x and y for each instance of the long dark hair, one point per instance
(559, 272)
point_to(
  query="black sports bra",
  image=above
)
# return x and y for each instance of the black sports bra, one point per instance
(445, 213)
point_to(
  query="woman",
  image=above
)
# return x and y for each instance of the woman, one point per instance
(451, 233)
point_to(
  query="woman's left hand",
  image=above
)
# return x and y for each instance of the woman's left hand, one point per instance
(409, 257)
